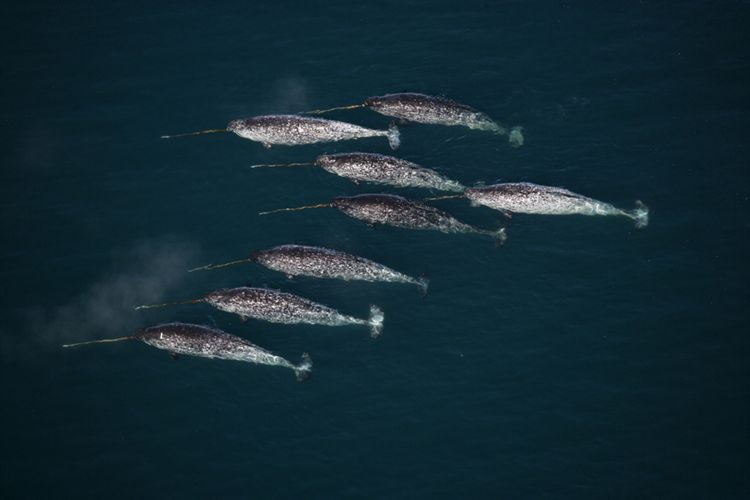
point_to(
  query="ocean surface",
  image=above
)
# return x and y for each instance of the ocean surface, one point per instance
(584, 359)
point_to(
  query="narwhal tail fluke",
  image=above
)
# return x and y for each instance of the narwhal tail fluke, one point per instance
(304, 369)
(500, 236)
(296, 209)
(103, 341)
(375, 322)
(394, 136)
(639, 214)
(211, 267)
(155, 306)
(515, 138)
(423, 283)
(200, 132)
(340, 108)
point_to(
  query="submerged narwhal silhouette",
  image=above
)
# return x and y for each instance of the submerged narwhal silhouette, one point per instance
(398, 211)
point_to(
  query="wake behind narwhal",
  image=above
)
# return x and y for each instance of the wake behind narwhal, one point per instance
(280, 307)
(293, 130)
(205, 342)
(378, 169)
(397, 211)
(319, 262)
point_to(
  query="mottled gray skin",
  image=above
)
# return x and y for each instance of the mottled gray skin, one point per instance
(382, 169)
(317, 262)
(528, 198)
(400, 212)
(281, 307)
(205, 342)
(293, 130)
(423, 108)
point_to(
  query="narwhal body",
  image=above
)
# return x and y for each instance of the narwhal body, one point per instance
(291, 130)
(319, 262)
(205, 342)
(382, 169)
(398, 211)
(280, 307)
(528, 198)
(378, 169)
(299, 260)
(422, 108)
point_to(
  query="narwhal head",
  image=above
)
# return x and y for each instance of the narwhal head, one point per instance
(260, 256)
(376, 102)
(237, 126)
(325, 161)
(163, 331)
(217, 296)
(345, 203)
(356, 206)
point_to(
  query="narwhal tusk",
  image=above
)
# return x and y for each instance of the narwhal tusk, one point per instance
(218, 266)
(201, 132)
(296, 209)
(321, 111)
(447, 197)
(275, 165)
(154, 306)
(103, 341)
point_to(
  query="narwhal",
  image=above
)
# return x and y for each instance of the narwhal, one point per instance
(280, 307)
(378, 169)
(318, 262)
(421, 108)
(398, 211)
(205, 342)
(528, 198)
(292, 130)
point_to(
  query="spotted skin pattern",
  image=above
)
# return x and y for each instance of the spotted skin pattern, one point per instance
(205, 342)
(400, 212)
(293, 130)
(280, 307)
(318, 262)
(382, 169)
(421, 108)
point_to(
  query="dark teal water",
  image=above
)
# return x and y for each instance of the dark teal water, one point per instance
(584, 359)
